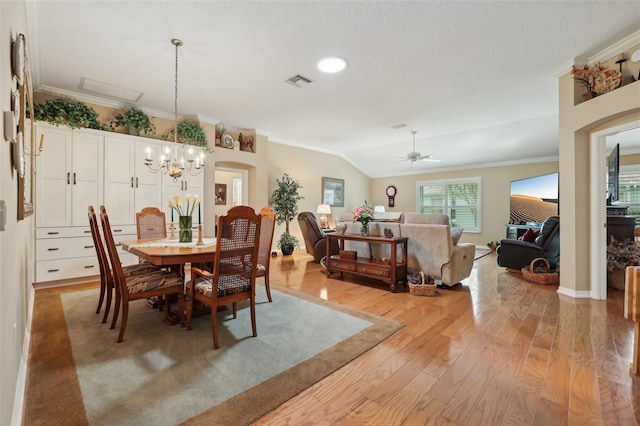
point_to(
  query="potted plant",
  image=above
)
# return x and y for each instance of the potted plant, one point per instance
(284, 200)
(620, 254)
(189, 132)
(135, 120)
(67, 112)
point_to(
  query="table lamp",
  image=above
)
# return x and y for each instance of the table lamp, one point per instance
(323, 211)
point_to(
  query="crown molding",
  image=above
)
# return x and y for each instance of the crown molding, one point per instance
(97, 100)
(605, 54)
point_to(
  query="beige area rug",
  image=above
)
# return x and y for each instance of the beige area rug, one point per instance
(166, 375)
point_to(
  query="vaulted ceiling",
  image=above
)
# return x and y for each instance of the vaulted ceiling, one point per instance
(477, 80)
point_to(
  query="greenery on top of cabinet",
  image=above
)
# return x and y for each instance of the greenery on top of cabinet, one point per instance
(68, 112)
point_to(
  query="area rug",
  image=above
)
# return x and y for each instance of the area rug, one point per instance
(482, 252)
(166, 375)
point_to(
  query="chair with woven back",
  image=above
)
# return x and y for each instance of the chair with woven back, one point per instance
(151, 223)
(158, 283)
(106, 277)
(234, 268)
(267, 226)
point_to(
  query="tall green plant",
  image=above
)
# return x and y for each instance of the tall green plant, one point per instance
(284, 200)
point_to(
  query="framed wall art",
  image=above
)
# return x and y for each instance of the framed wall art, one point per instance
(333, 192)
(221, 194)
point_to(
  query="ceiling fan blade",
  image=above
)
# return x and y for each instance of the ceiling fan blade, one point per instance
(429, 158)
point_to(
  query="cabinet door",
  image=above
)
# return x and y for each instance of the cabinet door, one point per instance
(148, 185)
(53, 180)
(119, 178)
(87, 175)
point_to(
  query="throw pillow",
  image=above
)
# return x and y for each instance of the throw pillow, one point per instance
(456, 233)
(530, 235)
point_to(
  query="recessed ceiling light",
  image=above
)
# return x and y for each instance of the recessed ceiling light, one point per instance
(333, 64)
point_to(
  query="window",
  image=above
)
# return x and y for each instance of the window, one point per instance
(460, 199)
(629, 188)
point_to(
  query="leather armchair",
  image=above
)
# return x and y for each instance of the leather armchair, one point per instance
(314, 240)
(516, 254)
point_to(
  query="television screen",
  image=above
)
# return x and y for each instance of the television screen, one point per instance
(613, 174)
(533, 199)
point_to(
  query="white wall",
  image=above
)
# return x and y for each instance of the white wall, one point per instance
(17, 242)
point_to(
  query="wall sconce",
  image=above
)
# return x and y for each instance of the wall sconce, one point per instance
(323, 211)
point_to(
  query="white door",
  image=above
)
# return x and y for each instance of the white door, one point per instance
(53, 180)
(86, 178)
(119, 181)
(147, 184)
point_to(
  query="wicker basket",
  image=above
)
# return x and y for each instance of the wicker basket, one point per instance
(422, 289)
(539, 277)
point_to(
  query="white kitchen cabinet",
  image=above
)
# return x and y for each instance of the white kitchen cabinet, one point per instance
(69, 176)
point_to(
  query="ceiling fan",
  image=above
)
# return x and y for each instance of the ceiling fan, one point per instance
(414, 156)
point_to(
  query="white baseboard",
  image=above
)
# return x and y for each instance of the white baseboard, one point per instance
(574, 294)
(18, 401)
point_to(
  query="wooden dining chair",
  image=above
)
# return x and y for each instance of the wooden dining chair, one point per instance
(106, 277)
(158, 283)
(151, 223)
(267, 226)
(234, 268)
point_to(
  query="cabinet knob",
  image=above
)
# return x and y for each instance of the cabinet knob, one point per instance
(53, 249)
(53, 270)
(88, 247)
(52, 233)
(89, 266)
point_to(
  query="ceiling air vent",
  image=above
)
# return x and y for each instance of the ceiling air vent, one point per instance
(299, 81)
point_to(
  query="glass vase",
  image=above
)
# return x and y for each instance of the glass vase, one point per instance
(186, 233)
(364, 231)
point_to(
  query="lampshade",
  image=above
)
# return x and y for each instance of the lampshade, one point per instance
(324, 209)
(379, 209)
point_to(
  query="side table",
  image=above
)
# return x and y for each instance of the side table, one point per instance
(391, 271)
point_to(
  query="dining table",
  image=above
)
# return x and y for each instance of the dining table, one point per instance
(168, 252)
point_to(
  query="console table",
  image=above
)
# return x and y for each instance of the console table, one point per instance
(390, 271)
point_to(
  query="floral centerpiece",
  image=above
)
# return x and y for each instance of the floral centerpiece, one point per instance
(364, 215)
(185, 215)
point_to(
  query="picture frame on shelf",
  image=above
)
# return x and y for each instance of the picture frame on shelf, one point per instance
(333, 192)
(221, 194)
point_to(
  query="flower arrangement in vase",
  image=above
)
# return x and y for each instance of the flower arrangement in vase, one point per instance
(620, 254)
(185, 216)
(364, 215)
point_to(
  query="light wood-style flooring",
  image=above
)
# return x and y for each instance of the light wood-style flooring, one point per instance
(495, 350)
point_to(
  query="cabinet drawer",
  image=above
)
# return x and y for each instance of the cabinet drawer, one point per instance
(374, 271)
(51, 270)
(64, 248)
(66, 232)
(342, 265)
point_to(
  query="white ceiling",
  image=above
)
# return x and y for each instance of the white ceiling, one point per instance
(476, 80)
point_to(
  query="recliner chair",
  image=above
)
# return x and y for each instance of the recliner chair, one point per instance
(516, 254)
(314, 240)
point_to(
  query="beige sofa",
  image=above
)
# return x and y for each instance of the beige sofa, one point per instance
(431, 248)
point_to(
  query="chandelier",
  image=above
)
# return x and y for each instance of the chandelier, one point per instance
(175, 162)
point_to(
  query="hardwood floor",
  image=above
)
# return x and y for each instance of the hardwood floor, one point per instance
(494, 350)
